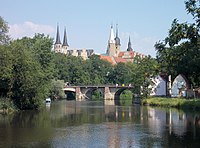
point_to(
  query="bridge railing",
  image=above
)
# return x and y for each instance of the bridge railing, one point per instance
(98, 86)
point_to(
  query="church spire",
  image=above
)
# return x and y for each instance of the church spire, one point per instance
(112, 36)
(129, 45)
(57, 36)
(116, 30)
(65, 38)
(117, 39)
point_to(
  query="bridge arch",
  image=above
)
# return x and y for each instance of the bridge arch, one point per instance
(121, 101)
(69, 89)
(70, 93)
(91, 91)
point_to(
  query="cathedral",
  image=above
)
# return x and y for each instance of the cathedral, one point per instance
(64, 47)
(113, 53)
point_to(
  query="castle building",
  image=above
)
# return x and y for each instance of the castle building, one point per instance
(64, 47)
(113, 53)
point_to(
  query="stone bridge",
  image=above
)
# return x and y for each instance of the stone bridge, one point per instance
(109, 92)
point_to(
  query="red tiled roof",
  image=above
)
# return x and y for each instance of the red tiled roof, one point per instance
(120, 60)
(107, 58)
(120, 54)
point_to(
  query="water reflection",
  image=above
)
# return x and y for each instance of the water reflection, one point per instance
(97, 124)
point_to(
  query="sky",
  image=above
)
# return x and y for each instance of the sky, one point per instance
(88, 22)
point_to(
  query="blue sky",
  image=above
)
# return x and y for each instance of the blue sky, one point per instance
(88, 21)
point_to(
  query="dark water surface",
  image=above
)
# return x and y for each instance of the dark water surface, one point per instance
(93, 124)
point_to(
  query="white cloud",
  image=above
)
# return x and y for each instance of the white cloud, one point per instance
(29, 29)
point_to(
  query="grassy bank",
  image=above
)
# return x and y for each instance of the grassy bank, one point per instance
(173, 102)
(6, 106)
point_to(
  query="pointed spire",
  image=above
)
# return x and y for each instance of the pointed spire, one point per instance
(65, 38)
(129, 45)
(116, 30)
(117, 39)
(57, 36)
(112, 36)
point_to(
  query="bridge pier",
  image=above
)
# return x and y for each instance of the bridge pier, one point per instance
(79, 95)
(107, 94)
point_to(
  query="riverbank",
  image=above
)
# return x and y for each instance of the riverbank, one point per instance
(179, 103)
(6, 106)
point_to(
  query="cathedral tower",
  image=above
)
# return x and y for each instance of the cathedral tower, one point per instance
(58, 45)
(65, 43)
(111, 49)
(117, 41)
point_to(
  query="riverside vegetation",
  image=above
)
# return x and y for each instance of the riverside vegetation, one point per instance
(180, 103)
(31, 72)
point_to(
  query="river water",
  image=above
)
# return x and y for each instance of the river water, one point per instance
(97, 125)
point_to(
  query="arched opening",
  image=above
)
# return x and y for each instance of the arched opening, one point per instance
(124, 97)
(70, 95)
(94, 94)
(179, 86)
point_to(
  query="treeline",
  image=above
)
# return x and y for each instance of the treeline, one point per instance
(30, 71)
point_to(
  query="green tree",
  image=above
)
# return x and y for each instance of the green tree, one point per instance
(120, 74)
(179, 53)
(5, 60)
(6, 68)
(99, 70)
(56, 91)
(146, 70)
(26, 71)
(4, 38)
(27, 81)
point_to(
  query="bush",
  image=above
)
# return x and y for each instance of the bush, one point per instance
(56, 91)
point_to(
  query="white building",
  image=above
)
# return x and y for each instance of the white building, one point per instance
(159, 87)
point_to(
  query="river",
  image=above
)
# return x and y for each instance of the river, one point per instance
(90, 124)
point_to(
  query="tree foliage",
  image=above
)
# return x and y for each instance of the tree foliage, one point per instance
(179, 53)
(4, 38)
(26, 69)
(56, 91)
(30, 71)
